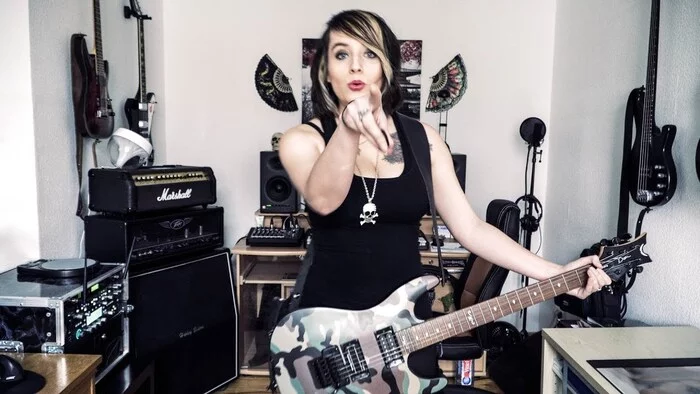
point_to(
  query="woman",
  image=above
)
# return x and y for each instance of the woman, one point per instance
(364, 194)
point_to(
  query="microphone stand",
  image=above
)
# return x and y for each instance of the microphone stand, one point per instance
(527, 243)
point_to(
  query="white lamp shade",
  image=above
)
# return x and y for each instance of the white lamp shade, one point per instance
(127, 147)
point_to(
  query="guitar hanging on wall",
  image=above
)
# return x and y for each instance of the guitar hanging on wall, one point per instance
(697, 160)
(92, 106)
(651, 171)
(139, 110)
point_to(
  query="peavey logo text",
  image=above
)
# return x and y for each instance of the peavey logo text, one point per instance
(179, 195)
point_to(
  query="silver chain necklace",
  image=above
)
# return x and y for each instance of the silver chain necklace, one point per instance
(369, 210)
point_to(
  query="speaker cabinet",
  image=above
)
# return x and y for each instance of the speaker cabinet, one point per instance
(185, 319)
(460, 162)
(277, 194)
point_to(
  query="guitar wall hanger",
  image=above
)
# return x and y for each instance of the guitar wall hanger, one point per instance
(129, 12)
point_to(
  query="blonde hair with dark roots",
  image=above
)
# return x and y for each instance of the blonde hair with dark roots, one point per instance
(371, 30)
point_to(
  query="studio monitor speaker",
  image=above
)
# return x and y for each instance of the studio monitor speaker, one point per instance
(185, 318)
(460, 162)
(277, 193)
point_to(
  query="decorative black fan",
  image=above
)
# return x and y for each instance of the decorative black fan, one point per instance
(273, 86)
(448, 86)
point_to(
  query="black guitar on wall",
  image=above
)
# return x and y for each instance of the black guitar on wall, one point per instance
(92, 106)
(697, 160)
(651, 170)
(139, 110)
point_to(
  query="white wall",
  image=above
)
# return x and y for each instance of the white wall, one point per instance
(19, 233)
(206, 53)
(51, 25)
(600, 56)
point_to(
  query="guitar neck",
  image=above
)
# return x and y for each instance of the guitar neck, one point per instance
(99, 61)
(463, 320)
(652, 65)
(143, 91)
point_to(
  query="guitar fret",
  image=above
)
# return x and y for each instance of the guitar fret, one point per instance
(492, 315)
(498, 302)
(508, 302)
(552, 284)
(471, 320)
(482, 312)
(540, 288)
(578, 275)
(519, 300)
(529, 295)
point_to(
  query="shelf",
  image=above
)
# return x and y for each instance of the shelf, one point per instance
(244, 250)
(274, 272)
(300, 213)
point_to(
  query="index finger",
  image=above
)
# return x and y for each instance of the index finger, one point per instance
(375, 98)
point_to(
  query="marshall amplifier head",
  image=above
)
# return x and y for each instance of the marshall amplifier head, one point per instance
(128, 191)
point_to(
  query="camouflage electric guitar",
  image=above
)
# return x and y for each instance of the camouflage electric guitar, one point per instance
(325, 350)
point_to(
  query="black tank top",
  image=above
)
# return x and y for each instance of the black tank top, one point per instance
(357, 266)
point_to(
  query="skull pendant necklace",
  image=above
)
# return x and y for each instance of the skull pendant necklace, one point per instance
(369, 210)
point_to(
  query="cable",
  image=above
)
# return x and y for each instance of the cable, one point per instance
(81, 252)
(128, 258)
(527, 165)
(540, 244)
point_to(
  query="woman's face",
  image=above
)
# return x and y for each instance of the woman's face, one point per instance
(352, 68)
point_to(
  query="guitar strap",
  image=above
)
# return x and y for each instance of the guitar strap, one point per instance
(623, 212)
(420, 148)
(80, 211)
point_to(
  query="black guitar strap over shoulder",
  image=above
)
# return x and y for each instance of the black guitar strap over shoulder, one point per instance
(420, 148)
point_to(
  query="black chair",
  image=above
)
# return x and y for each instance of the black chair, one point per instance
(480, 281)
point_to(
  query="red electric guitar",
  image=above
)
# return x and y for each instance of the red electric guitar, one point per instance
(92, 106)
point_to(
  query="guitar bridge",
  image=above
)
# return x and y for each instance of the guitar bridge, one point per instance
(339, 366)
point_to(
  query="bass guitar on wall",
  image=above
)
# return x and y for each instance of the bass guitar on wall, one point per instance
(651, 172)
(697, 160)
(328, 350)
(92, 106)
(139, 110)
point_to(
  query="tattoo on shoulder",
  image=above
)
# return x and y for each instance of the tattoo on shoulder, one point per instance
(396, 155)
(430, 146)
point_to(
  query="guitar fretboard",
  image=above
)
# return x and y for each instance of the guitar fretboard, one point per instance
(99, 62)
(463, 320)
(143, 91)
(650, 88)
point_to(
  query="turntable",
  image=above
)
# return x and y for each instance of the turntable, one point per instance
(63, 271)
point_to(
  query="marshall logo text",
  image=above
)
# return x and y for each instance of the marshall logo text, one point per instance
(179, 195)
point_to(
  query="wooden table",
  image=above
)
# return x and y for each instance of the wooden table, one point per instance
(570, 349)
(64, 373)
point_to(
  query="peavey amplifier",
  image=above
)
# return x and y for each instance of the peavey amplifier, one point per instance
(127, 191)
(47, 313)
(154, 235)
